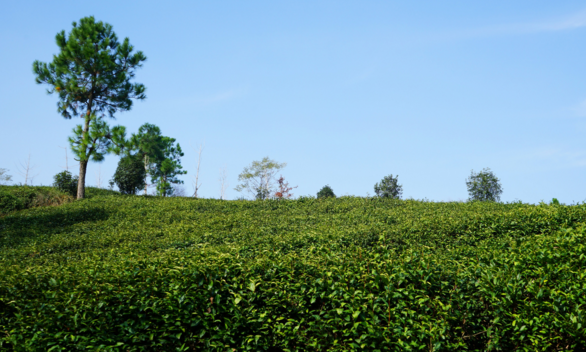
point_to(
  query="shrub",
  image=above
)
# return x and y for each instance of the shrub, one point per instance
(352, 274)
(14, 198)
(130, 174)
(66, 183)
(389, 187)
(484, 186)
(326, 192)
(9, 202)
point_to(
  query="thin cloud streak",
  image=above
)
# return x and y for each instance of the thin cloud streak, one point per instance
(575, 21)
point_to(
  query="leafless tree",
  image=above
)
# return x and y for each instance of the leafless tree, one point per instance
(178, 191)
(66, 159)
(223, 182)
(26, 170)
(196, 177)
(99, 176)
(66, 164)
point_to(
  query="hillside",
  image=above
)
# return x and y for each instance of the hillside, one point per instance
(130, 273)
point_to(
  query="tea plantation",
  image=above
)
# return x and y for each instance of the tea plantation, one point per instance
(128, 273)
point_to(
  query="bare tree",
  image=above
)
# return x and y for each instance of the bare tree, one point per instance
(66, 164)
(99, 176)
(66, 167)
(26, 170)
(178, 191)
(223, 182)
(196, 177)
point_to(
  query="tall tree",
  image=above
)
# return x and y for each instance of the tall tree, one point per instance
(91, 75)
(258, 177)
(168, 168)
(148, 144)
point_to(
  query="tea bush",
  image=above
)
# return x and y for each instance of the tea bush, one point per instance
(14, 198)
(130, 273)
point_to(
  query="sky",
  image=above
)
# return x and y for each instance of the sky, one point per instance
(344, 92)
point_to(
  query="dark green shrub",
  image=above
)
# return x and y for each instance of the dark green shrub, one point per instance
(326, 192)
(14, 198)
(389, 187)
(130, 174)
(66, 183)
(9, 202)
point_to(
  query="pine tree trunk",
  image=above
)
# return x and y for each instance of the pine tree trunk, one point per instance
(81, 180)
(146, 169)
(83, 163)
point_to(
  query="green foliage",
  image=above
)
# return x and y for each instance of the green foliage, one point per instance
(389, 187)
(92, 192)
(167, 168)
(148, 145)
(257, 178)
(14, 198)
(92, 76)
(130, 174)
(343, 274)
(65, 182)
(484, 186)
(4, 177)
(326, 192)
(92, 71)
(97, 141)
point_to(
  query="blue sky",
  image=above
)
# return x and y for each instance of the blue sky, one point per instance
(344, 92)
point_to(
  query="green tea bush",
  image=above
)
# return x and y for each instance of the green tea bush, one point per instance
(14, 198)
(162, 274)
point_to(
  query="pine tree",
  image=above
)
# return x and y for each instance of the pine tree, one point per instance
(91, 75)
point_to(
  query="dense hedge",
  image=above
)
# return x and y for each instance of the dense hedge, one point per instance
(132, 273)
(14, 198)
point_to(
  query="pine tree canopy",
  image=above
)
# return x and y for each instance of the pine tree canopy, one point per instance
(92, 71)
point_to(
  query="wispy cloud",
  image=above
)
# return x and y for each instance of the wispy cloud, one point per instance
(569, 22)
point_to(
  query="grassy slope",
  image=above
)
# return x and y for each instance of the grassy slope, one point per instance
(155, 274)
(14, 198)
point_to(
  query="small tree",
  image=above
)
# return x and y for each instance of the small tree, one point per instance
(389, 187)
(4, 177)
(148, 144)
(167, 169)
(326, 192)
(66, 182)
(91, 74)
(257, 178)
(484, 186)
(130, 174)
(283, 189)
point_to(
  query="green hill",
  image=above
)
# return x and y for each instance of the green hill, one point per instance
(128, 273)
